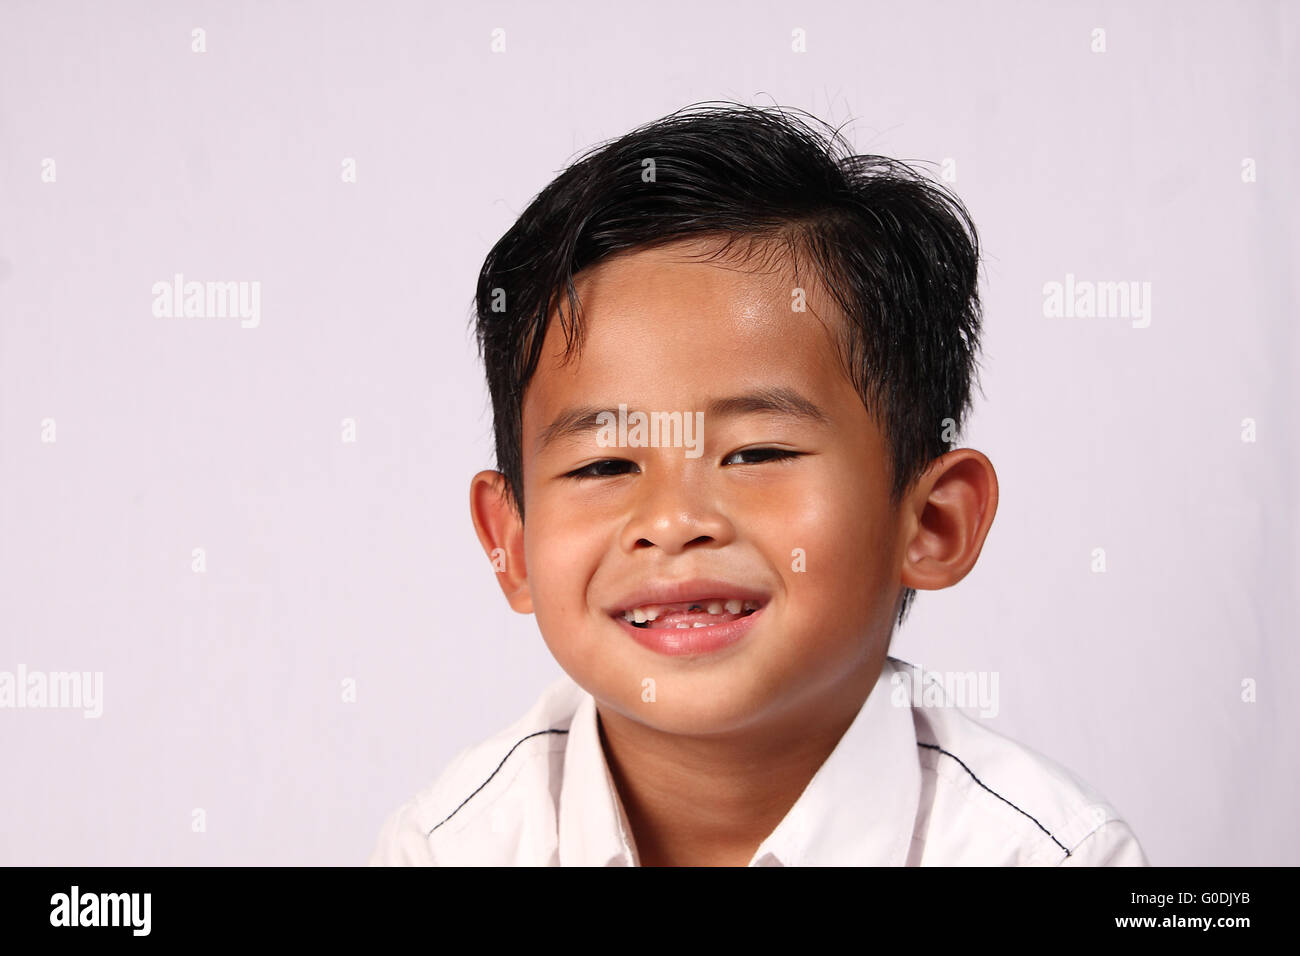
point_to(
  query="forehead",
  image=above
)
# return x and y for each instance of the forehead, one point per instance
(665, 329)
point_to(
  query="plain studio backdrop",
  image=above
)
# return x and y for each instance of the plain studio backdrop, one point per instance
(296, 631)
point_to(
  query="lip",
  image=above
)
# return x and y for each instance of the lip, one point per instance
(676, 592)
(676, 642)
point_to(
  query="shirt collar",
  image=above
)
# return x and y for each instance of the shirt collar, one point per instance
(593, 829)
(859, 809)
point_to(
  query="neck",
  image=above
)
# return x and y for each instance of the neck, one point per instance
(712, 800)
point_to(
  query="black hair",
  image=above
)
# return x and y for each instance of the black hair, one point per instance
(897, 251)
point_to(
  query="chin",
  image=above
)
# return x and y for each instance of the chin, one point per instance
(691, 705)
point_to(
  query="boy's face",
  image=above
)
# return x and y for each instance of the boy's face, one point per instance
(814, 534)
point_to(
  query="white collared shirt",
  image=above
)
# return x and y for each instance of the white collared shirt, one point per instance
(907, 785)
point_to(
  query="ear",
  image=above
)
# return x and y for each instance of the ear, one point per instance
(501, 532)
(946, 519)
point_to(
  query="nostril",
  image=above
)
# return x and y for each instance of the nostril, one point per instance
(702, 539)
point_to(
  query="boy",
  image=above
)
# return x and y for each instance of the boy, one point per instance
(724, 359)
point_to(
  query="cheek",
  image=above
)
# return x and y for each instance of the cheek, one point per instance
(553, 553)
(562, 557)
(832, 543)
(841, 531)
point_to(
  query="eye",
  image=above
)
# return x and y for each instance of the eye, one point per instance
(614, 467)
(764, 454)
(601, 469)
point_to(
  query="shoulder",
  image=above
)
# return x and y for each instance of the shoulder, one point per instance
(490, 795)
(989, 800)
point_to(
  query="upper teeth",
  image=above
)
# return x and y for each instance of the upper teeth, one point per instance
(650, 612)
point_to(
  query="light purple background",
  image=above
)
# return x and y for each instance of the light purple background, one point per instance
(329, 561)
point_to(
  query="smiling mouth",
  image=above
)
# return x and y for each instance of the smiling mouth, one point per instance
(689, 614)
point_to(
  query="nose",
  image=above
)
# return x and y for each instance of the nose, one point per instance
(676, 508)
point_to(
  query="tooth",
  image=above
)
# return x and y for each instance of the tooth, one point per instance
(682, 626)
(652, 614)
(751, 605)
(733, 606)
(715, 607)
(701, 624)
(627, 616)
(639, 616)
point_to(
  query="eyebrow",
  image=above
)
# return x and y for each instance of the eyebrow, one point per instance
(779, 401)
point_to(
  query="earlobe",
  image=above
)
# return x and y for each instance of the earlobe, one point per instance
(952, 510)
(500, 531)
